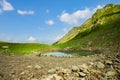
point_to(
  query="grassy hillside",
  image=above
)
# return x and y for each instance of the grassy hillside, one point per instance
(22, 48)
(99, 32)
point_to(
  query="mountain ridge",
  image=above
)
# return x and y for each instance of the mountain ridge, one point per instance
(101, 30)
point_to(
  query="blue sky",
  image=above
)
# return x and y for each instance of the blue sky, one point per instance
(44, 21)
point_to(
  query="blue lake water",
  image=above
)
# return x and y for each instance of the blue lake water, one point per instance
(57, 54)
(83, 53)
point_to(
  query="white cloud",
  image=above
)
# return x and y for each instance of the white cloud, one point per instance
(32, 39)
(75, 17)
(25, 12)
(50, 22)
(6, 6)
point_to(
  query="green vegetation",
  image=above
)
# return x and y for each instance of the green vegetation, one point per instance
(99, 32)
(23, 48)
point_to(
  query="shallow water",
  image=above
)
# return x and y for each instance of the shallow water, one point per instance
(57, 54)
(83, 53)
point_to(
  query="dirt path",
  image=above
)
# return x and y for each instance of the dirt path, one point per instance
(11, 67)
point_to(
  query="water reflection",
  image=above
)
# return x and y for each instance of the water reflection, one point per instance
(57, 54)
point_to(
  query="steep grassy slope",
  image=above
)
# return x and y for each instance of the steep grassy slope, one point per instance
(22, 48)
(100, 31)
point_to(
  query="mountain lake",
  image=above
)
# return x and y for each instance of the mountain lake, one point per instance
(60, 54)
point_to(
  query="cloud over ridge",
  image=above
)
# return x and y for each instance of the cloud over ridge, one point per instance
(75, 17)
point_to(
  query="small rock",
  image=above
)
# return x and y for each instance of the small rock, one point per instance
(66, 71)
(22, 73)
(96, 71)
(100, 65)
(76, 74)
(91, 64)
(111, 73)
(51, 71)
(57, 77)
(60, 74)
(16, 79)
(1, 75)
(12, 72)
(58, 68)
(34, 79)
(75, 68)
(53, 77)
(84, 68)
(37, 67)
(82, 79)
(109, 62)
(82, 74)
(29, 66)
